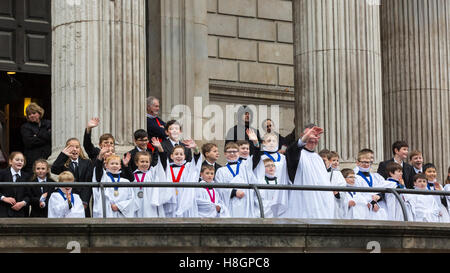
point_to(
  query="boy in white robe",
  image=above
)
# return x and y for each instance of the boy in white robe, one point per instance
(430, 171)
(149, 200)
(208, 200)
(305, 167)
(395, 180)
(364, 178)
(356, 202)
(423, 208)
(119, 200)
(279, 198)
(63, 203)
(240, 202)
(182, 203)
(331, 160)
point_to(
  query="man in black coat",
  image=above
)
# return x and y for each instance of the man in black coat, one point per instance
(400, 151)
(155, 125)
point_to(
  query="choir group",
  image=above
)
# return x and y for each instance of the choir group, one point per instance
(173, 160)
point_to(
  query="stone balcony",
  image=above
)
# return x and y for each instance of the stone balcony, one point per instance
(220, 235)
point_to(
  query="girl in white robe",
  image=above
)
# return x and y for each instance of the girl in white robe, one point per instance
(149, 200)
(63, 203)
(119, 200)
(182, 202)
(208, 201)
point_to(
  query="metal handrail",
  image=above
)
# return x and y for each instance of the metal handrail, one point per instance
(255, 187)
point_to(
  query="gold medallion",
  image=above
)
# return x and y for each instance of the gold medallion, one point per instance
(116, 193)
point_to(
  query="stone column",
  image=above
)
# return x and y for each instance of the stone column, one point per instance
(98, 69)
(338, 73)
(416, 79)
(182, 58)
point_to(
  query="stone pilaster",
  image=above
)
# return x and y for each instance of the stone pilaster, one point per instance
(182, 60)
(98, 69)
(416, 77)
(338, 73)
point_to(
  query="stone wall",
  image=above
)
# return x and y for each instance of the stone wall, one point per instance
(251, 59)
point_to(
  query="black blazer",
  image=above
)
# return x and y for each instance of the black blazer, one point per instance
(90, 149)
(216, 166)
(408, 172)
(18, 193)
(83, 174)
(168, 148)
(37, 141)
(153, 129)
(35, 196)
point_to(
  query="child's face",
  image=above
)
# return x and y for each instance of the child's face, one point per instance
(232, 154)
(334, 162)
(174, 132)
(107, 143)
(270, 168)
(212, 155)
(143, 163)
(113, 165)
(66, 189)
(364, 162)
(178, 156)
(326, 161)
(208, 175)
(417, 161)
(403, 152)
(431, 174)
(397, 175)
(420, 183)
(271, 143)
(141, 143)
(17, 162)
(244, 150)
(350, 179)
(41, 170)
(76, 149)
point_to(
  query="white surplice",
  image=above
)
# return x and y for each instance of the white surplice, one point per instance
(58, 207)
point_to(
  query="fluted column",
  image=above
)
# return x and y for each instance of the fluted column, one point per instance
(338, 73)
(184, 61)
(416, 77)
(98, 69)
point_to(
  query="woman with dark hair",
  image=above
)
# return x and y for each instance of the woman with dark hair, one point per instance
(36, 135)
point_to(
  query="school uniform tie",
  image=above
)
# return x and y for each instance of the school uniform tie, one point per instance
(17, 176)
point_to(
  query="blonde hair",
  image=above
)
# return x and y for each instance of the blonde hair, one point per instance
(66, 176)
(13, 155)
(34, 108)
(112, 157)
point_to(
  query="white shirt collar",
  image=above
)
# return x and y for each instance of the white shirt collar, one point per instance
(417, 170)
(13, 172)
(42, 180)
(150, 116)
(401, 162)
(173, 142)
(209, 163)
(74, 161)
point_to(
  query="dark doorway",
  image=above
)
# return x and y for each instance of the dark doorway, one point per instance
(15, 91)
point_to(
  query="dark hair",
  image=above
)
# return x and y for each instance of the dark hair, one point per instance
(398, 145)
(428, 166)
(324, 153)
(142, 153)
(106, 137)
(366, 151)
(391, 167)
(141, 133)
(207, 147)
(332, 154)
(419, 176)
(40, 161)
(170, 123)
(242, 142)
(207, 167)
(346, 172)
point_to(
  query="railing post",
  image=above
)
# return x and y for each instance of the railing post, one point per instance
(400, 200)
(258, 195)
(102, 190)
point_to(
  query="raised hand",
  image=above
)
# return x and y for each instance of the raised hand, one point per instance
(190, 144)
(93, 123)
(68, 150)
(126, 159)
(312, 133)
(157, 144)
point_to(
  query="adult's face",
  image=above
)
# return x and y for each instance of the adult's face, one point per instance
(246, 117)
(153, 109)
(34, 117)
(268, 126)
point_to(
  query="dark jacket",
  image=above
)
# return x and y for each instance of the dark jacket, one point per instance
(408, 172)
(238, 132)
(35, 196)
(37, 141)
(18, 193)
(153, 128)
(168, 148)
